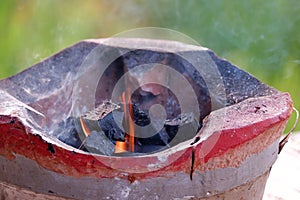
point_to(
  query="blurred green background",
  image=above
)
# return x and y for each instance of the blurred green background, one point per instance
(262, 37)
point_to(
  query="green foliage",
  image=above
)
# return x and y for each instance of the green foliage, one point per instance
(262, 37)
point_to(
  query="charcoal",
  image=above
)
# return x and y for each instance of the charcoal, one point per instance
(174, 131)
(110, 126)
(140, 117)
(106, 117)
(104, 131)
(66, 132)
(97, 142)
(98, 121)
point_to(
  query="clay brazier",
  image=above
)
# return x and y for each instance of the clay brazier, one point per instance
(229, 157)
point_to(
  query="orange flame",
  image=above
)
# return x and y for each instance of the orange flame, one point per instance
(85, 128)
(131, 128)
(128, 145)
(120, 147)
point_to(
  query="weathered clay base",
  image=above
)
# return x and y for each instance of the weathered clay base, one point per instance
(8, 191)
(254, 189)
(34, 176)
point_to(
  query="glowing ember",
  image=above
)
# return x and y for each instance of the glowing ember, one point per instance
(120, 147)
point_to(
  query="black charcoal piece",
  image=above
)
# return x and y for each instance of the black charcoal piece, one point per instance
(110, 125)
(174, 131)
(140, 117)
(97, 142)
(66, 132)
(108, 118)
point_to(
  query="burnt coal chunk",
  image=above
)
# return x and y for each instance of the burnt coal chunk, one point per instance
(175, 131)
(111, 128)
(66, 132)
(97, 142)
(162, 138)
(140, 117)
(171, 130)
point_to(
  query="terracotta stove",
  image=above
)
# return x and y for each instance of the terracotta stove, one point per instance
(126, 118)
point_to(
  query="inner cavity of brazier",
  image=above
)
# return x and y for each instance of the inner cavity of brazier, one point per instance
(143, 103)
(111, 97)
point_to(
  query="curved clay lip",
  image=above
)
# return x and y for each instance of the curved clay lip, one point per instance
(243, 123)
